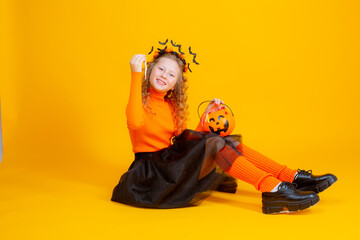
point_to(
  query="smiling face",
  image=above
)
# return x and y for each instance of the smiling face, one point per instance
(164, 75)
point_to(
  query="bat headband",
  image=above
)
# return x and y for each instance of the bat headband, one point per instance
(170, 50)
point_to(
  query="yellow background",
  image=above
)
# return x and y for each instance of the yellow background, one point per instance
(288, 69)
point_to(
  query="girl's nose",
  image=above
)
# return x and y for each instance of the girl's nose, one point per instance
(163, 75)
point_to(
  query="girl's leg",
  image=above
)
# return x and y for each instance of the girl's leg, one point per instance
(230, 161)
(304, 180)
(229, 183)
(264, 163)
(238, 166)
(277, 196)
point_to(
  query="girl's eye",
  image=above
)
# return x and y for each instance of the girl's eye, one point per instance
(160, 68)
(172, 75)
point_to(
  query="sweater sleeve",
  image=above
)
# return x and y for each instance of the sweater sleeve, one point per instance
(134, 108)
(199, 127)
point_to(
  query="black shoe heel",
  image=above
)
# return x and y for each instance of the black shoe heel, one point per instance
(284, 207)
(271, 210)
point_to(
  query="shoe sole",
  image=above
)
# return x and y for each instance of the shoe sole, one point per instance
(286, 207)
(227, 188)
(321, 186)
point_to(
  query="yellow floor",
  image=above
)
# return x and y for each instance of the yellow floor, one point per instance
(74, 203)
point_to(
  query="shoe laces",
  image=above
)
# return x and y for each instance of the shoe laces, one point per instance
(287, 185)
(304, 173)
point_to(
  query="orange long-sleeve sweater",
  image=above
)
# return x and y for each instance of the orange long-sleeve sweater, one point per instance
(149, 132)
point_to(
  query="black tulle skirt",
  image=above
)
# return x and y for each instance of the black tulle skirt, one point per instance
(170, 178)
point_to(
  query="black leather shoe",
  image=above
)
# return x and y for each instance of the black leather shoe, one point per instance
(228, 185)
(287, 199)
(305, 181)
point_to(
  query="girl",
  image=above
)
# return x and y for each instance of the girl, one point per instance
(177, 167)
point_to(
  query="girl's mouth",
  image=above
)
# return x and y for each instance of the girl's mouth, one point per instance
(161, 82)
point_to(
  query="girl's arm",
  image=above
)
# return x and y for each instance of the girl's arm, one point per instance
(134, 108)
(199, 127)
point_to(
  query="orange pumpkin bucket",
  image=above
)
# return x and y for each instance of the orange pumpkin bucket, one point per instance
(221, 122)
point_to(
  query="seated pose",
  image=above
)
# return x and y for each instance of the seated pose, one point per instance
(177, 167)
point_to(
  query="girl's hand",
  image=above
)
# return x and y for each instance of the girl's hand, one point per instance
(214, 105)
(136, 62)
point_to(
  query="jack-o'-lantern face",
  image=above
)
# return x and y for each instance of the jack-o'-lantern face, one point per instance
(221, 122)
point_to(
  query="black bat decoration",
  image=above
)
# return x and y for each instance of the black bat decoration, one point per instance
(152, 48)
(194, 56)
(178, 46)
(164, 42)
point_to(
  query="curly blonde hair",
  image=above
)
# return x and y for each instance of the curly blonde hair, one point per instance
(177, 97)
